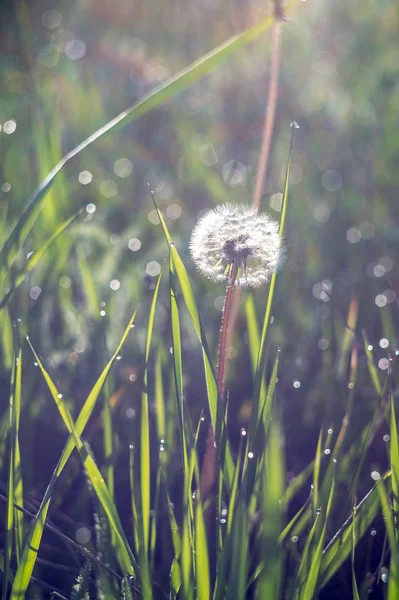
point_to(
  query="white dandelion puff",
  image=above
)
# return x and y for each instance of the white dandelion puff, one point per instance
(237, 236)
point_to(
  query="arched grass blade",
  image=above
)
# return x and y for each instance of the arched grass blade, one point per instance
(172, 87)
(34, 259)
(27, 563)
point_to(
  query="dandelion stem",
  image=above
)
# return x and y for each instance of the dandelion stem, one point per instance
(208, 470)
(223, 332)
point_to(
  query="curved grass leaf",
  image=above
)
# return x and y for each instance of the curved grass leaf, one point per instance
(34, 259)
(172, 87)
(28, 559)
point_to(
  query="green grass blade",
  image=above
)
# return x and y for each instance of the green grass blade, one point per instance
(201, 554)
(339, 548)
(145, 469)
(89, 288)
(9, 517)
(273, 477)
(155, 98)
(34, 259)
(18, 484)
(178, 369)
(394, 456)
(93, 472)
(355, 591)
(260, 363)
(27, 563)
(393, 586)
(313, 575)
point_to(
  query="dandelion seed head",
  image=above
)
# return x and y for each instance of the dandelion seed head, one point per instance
(237, 235)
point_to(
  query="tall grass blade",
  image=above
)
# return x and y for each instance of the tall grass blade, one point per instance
(273, 475)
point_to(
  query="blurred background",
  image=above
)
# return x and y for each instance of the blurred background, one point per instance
(66, 68)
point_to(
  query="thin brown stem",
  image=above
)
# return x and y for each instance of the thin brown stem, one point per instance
(208, 470)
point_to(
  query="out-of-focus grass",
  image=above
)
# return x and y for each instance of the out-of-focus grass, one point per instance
(284, 510)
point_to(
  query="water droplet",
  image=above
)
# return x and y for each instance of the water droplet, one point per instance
(35, 363)
(119, 356)
(329, 431)
(294, 539)
(335, 460)
(59, 396)
(243, 431)
(294, 125)
(296, 383)
(131, 447)
(102, 313)
(386, 437)
(327, 451)
(369, 347)
(318, 511)
(375, 475)
(223, 521)
(202, 419)
(384, 575)
(250, 454)
(373, 532)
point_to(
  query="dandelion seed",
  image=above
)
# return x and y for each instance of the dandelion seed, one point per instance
(239, 237)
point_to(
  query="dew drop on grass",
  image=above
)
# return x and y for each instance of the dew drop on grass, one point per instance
(329, 431)
(223, 521)
(369, 347)
(243, 432)
(294, 539)
(250, 454)
(373, 532)
(59, 396)
(327, 451)
(294, 125)
(102, 313)
(120, 355)
(375, 475)
(386, 437)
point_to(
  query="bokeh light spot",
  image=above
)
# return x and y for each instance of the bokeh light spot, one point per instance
(85, 177)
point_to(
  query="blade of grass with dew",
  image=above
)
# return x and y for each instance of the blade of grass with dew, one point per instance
(31, 548)
(6, 336)
(203, 584)
(18, 483)
(225, 555)
(260, 363)
(238, 572)
(393, 584)
(371, 366)
(253, 331)
(355, 591)
(339, 548)
(186, 563)
(145, 467)
(93, 472)
(176, 84)
(215, 405)
(135, 516)
(273, 477)
(89, 288)
(312, 578)
(34, 259)
(159, 395)
(178, 369)
(394, 457)
(9, 517)
(257, 438)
